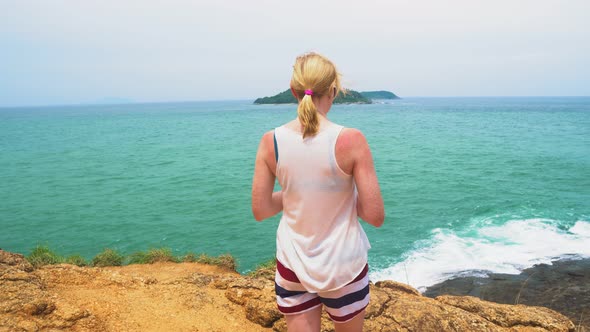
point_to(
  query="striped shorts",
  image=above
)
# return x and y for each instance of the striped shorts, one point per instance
(341, 305)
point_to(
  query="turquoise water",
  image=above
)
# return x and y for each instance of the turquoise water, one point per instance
(469, 183)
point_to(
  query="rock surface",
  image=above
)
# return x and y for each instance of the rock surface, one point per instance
(195, 297)
(25, 305)
(563, 286)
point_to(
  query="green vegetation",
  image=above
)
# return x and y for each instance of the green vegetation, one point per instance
(76, 260)
(379, 95)
(152, 256)
(190, 257)
(265, 270)
(350, 97)
(227, 261)
(42, 255)
(108, 257)
(286, 97)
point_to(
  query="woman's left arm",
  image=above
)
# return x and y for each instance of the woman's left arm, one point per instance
(265, 203)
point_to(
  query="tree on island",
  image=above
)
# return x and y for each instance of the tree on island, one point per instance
(349, 97)
(379, 95)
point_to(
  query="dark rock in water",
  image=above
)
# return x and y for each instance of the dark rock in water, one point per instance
(563, 286)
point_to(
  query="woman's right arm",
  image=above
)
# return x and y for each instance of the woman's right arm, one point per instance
(265, 202)
(370, 202)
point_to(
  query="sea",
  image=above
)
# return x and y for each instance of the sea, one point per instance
(470, 185)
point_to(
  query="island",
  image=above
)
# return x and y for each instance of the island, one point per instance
(350, 97)
(379, 95)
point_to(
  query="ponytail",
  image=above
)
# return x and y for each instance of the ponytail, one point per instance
(308, 116)
(313, 75)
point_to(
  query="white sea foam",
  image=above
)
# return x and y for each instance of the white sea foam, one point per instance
(507, 248)
(581, 229)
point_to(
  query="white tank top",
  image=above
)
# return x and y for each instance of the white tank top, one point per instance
(319, 236)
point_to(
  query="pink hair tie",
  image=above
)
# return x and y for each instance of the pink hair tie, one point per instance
(309, 92)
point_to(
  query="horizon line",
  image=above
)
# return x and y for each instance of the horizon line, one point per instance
(134, 102)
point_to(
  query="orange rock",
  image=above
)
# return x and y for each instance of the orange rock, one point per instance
(194, 297)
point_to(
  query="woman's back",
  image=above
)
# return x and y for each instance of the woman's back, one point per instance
(327, 181)
(319, 236)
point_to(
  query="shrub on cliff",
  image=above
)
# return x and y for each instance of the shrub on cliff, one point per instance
(265, 270)
(108, 257)
(42, 255)
(76, 260)
(227, 261)
(152, 256)
(190, 257)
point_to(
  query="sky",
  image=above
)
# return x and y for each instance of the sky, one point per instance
(71, 52)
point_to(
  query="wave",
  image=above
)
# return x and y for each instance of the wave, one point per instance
(507, 248)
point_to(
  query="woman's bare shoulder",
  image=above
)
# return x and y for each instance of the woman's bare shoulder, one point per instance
(267, 136)
(349, 147)
(350, 138)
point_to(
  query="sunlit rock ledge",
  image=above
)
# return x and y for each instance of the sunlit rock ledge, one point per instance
(198, 297)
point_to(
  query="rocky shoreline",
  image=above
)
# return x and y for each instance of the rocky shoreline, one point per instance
(563, 286)
(197, 297)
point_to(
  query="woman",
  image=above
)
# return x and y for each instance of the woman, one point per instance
(328, 180)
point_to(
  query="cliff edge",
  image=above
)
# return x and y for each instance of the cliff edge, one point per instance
(197, 297)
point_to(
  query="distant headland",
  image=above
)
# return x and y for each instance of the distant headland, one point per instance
(350, 97)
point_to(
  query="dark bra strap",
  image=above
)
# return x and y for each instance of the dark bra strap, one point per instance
(274, 136)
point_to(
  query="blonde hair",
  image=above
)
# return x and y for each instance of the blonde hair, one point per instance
(317, 73)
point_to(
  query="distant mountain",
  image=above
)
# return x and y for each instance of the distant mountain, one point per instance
(379, 95)
(351, 97)
(286, 97)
